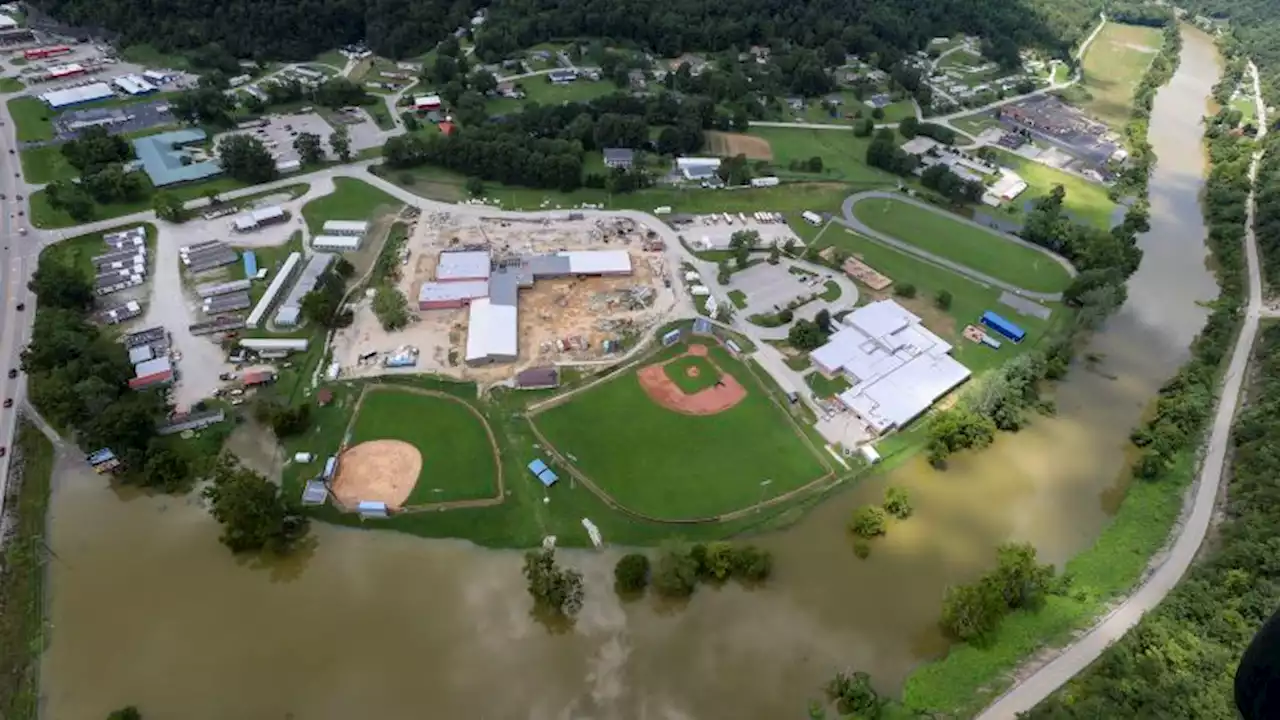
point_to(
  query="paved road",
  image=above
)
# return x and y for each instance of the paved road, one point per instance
(853, 222)
(1080, 654)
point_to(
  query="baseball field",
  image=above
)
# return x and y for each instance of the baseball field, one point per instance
(690, 434)
(410, 447)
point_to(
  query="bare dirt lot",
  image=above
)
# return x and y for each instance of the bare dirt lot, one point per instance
(563, 320)
(731, 144)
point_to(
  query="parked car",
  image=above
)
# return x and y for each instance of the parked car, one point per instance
(13, 373)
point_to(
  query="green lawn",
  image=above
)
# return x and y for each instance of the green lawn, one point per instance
(351, 200)
(843, 154)
(975, 124)
(1246, 106)
(830, 291)
(32, 118)
(148, 56)
(80, 251)
(977, 248)
(825, 387)
(44, 215)
(1086, 201)
(457, 458)
(45, 164)
(669, 465)
(1113, 66)
(738, 298)
(969, 299)
(11, 85)
(692, 374)
(540, 90)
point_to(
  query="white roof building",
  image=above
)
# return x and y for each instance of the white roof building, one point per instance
(451, 292)
(134, 84)
(345, 227)
(598, 262)
(1009, 186)
(76, 95)
(897, 367)
(339, 243)
(492, 333)
(693, 168)
(464, 265)
(7, 23)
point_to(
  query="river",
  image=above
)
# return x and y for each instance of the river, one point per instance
(147, 608)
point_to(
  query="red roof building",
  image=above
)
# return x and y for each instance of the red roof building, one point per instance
(446, 128)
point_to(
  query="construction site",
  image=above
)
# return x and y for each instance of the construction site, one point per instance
(491, 297)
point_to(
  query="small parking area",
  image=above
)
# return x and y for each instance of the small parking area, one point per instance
(281, 130)
(771, 287)
(143, 115)
(713, 232)
(360, 126)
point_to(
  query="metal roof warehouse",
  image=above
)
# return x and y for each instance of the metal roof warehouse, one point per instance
(76, 95)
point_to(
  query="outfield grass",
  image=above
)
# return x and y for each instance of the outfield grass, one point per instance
(1113, 66)
(678, 372)
(1086, 201)
(351, 200)
(968, 299)
(540, 90)
(668, 465)
(976, 248)
(457, 459)
(843, 154)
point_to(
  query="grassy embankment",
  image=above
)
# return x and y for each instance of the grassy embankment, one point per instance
(22, 578)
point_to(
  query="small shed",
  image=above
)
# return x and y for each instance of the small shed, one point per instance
(538, 377)
(315, 492)
(543, 473)
(372, 509)
(869, 454)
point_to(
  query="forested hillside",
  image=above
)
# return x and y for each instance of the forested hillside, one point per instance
(399, 28)
(1254, 28)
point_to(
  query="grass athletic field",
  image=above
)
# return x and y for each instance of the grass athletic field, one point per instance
(692, 373)
(980, 250)
(1113, 66)
(674, 466)
(457, 458)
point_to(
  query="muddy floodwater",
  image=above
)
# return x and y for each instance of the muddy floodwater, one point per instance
(148, 609)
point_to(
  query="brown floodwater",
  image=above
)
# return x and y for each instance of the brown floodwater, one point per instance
(148, 609)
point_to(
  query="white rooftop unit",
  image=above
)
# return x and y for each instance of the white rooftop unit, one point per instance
(339, 243)
(598, 262)
(134, 85)
(273, 290)
(464, 265)
(492, 333)
(76, 95)
(345, 227)
(270, 344)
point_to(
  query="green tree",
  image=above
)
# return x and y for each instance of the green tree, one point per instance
(868, 521)
(897, 502)
(719, 560)
(245, 158)
(340, 143)
(1021, 582)
(676, 573)
(410, 120)
(554, 589)
(168, 207)
(61, 284)
(853, 695)
(942, 300)
(805, 335)
(752, 564)
(905, 290)
(309, 148)
(909, 127)
(127, 713)
(166, 469)
(391, 308)
(631, 574)
(475, 187)
(864, 127)
(775, 255)
(971, 611)
(254, 514)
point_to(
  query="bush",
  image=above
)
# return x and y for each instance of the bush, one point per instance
(906, 290)
(631, 574)
(942, 300)
(676, 575)
(868, 521)
(786, 316)
(752, 564)
(897, 502)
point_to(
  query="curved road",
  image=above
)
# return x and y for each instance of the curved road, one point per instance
(1080, 654)
(853, 222)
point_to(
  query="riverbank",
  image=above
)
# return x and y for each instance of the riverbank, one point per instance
(970, 676)
(22, 576)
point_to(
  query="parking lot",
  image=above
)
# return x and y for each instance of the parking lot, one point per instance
(122, 119)
(281, 130)
(713, 232)
(770, 288)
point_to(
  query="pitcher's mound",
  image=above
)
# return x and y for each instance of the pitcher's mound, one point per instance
(377, 470)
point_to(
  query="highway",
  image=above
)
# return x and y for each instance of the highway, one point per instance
(1088, 647)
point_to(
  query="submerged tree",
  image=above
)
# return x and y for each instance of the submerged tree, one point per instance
(554, 589)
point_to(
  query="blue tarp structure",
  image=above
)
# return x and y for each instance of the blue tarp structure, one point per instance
(250, 263)
(1002, 326)
(543, 473)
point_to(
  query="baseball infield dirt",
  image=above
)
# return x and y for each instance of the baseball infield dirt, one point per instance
(724, 395)
(378, 471)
